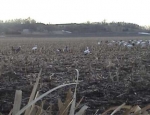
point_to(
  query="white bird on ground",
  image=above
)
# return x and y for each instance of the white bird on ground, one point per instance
(87, 51)
(125, 44)
(113, 41)
(110, 44)
(129, 45)
(66, 49)
(35, 47)
(58, 50)
(99, 43)
(138, 42)
(143, 44)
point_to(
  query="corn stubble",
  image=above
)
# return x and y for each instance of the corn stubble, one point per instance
(32, 109)
(69, 106)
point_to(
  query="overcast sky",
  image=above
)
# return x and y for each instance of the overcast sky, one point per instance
(77, 11)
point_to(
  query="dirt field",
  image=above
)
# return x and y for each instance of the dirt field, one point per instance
(109, 76)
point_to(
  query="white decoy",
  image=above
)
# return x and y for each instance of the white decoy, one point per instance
(121, 42)
(66, 49)
(35, 47)
(110, 44)
(138, 42)
(125, 44)
(58, 50)
(87, 51)
(129, 45)
(143, 44)
(113, 41)
(99, 43)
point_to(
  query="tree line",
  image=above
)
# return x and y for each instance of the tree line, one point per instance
(16, 26)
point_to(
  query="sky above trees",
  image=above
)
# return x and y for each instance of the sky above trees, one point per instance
(77, 11)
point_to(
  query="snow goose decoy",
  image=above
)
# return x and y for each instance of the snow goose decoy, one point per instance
(129, 45)
(35, 47)
(58, 50)
(66, 49)
(87, 51)
(98, 43)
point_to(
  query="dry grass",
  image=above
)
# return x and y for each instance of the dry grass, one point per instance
(32, 109)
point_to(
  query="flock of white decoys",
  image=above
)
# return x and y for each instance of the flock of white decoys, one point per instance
(121, 43)
(130, 43)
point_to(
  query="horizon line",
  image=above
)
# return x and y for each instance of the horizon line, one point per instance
(90, 22)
